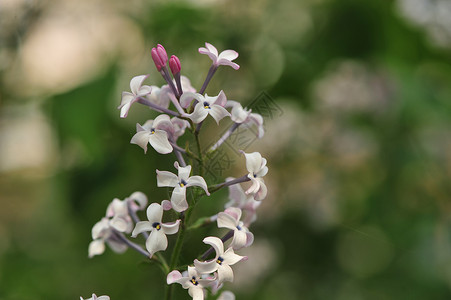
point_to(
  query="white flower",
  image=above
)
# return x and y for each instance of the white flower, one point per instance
(237, 198)
(118, 212)
(102, 232)
(224, 58)
(180, 182)
(230, 219)
(221, 262)
(155, 133)
(245, 117)
(157, 240)
(205, 106)
(161, 96)
(94, 297)
(256, 166)
(191, 281)
(137, 90)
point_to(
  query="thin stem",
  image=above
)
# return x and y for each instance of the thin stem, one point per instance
(199, 153)
(225, 136)
(165, 73)
(157, 107)
(219, 186)
(130, 244)
(224, 239)
(210, 74)
(179, 83)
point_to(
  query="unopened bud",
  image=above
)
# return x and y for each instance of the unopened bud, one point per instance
(159, 56)
(174, 64)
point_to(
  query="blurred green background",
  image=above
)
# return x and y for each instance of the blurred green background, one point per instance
(359, 157)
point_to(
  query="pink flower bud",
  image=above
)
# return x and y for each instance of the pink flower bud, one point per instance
(174, 64)
(159, 56)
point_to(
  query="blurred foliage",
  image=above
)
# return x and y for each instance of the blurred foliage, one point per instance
(340, 224)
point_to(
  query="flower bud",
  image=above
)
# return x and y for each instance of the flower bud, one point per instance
(174, 64)
(159, 56)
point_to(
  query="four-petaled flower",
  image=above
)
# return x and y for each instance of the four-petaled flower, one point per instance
(205, 106)
(221, 262)
(94, 297)
(118, 211)
(155, 133)
(103, 232)
(180, 182)
(157, 240)
(230, 219)
(224, 58)
(256, 166)
(137, 90)
(192, 281)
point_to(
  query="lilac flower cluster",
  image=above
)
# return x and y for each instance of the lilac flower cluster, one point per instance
(183, 109)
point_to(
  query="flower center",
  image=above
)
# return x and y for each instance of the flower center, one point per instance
(194, 281)
(219, 260)
(152, 130)
(182, 183)
(206, 105)
(238, 227)
(156, 225)
(255, 175)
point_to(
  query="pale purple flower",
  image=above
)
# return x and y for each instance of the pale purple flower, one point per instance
(180, 126)
(192, 281)
(230, 219)
(205, 106)
(224, 58)
(157, 240)
(180, 182)
(102, 233)
(245, 117)
(222, 261)
(155, 133)
(238, 198)
(256, 166)
(94, 297)
(137, 90)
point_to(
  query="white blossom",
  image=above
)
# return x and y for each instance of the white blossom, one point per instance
(230, 219)
(256, 166)
(157, 240)
(180, 182)
(137, 90)
(224, 58)
(192, 281)
(247, 203)
(102, 233)
(205, 105)
(222, 261)
(246, 117)
(155, 133)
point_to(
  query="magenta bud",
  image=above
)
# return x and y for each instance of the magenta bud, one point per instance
(174, 64)
(159, 56)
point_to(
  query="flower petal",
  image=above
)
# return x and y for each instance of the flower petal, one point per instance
(196, 292)
(239, 239)
(154, 213)
(117, 247)
(173, 276)
(237, 196)
(198, 181)
(187, 97)
(183, 171)
(126, 102)
(262, 172)
(239, 114)
(206, 267)
(226, 295)
(157, 241)
(218, 112)
(96, 247)
(221, 99)
(141, 227)
(170, 228)
(230, 258)
(140, 198)
(225, 273)
(136, 83)
(159, 141)
(228, 55)
(235, 212)
(178, 199)
(165, 178)
(253, 161)
(101, 229)
(216, 243)
(120, 224)
(226, 221)
(199, 114)
(262, 191)
(141, 139)
(225, 62)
